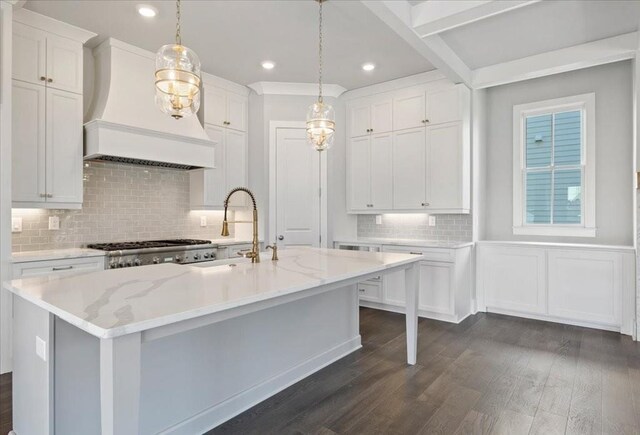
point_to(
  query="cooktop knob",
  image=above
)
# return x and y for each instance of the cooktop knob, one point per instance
(196, 256)
(137, 262)
(156, 260)
(206, 255)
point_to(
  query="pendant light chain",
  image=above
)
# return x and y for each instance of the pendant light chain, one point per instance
(178, 37)
(320, 55)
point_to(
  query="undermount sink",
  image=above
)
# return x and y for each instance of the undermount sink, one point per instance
(264, 256)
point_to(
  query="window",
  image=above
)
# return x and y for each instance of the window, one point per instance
(554, 167)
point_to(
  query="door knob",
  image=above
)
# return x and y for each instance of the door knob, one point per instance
(280, 237)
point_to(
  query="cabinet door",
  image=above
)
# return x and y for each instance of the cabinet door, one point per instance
(29, 54)
(444, 166)
(214, 179)
(409, 164)
(360, 119)
(64, 147)
(513, 278)
(586, 285)
(236, 164)
(436, 292)
(409, 110)
(381, 172)
(28, 144)
(236, 112)
(444, 105)
(360, 173)
(382, 115)
(215, 106)
(64, 64)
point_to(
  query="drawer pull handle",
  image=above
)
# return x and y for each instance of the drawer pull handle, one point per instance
(362, 290)
(416, 253)
(62, 268)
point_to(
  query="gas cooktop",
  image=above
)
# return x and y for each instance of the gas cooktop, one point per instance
(121, 246)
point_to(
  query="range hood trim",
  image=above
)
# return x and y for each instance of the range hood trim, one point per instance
(103, 138)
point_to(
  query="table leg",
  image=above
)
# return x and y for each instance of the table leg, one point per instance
(120, 384)
(411, 283)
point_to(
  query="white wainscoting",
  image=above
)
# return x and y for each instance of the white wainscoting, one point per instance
(586, 285)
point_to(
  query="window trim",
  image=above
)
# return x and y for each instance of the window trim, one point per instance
(586, 103)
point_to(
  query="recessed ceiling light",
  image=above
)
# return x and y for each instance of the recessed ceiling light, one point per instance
(267, 64)
(368, 67)
(147, 11)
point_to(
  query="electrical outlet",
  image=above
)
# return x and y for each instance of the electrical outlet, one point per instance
(432, 221)
(16, 225)
(203, 221)
(41, 348)
(379, 220)
(54, 223)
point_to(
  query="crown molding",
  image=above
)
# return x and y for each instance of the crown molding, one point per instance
(395, 84)
(288, 88)
(228, 85)
(48, 24)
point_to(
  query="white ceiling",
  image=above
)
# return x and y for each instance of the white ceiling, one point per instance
(232, 38)
(541, 27)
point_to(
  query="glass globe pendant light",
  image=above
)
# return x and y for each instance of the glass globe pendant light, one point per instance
(320, 116)
(177, 77)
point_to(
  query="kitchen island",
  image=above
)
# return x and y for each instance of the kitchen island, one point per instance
(180, 349)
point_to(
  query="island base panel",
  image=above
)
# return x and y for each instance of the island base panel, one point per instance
(195, 380)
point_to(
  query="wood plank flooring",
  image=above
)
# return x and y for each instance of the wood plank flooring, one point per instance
(490, 374)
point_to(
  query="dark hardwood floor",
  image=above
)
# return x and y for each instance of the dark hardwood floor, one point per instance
(489, 374)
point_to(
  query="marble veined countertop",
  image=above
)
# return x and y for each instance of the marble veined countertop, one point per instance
(117, 302)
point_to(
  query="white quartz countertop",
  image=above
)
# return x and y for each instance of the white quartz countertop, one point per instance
(117, 302)
(405, 242)
(54, 254)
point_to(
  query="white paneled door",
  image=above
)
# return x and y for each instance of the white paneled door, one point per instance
(298, 195)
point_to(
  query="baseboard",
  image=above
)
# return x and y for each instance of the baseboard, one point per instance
(218, 414)
(553, 319)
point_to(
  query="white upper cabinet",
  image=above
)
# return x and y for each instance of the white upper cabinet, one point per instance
(224, 108)
(408, 109)
(29, 142)
(370, 115)
(40, 57)
(64, 147)
(29, 54)
(410, 150)
(360, 173)
(47, 147)
(409, 169)
(418, 106)
(64, 64)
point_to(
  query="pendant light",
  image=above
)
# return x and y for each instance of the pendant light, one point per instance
(177, 77)
(320, 116)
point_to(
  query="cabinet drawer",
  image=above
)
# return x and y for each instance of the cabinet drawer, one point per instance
(56, 267)
(370, 291)
(429, 254)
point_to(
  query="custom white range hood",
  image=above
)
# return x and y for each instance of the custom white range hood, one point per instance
(124, 123)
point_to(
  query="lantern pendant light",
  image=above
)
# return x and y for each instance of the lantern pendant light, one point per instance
(320, 116)
(177, 77)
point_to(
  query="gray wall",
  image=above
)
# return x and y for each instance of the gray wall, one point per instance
(612, 85)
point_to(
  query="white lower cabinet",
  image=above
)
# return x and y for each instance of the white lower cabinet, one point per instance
(445, 284)
(589, 286)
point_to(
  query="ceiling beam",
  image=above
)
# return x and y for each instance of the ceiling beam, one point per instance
(614, 49)
(397, 15)
(433, 17)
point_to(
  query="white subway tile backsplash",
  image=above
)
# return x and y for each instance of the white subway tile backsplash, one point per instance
(121, 202)
(449, 227)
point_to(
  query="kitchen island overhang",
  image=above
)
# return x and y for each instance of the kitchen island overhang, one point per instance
(178, 349)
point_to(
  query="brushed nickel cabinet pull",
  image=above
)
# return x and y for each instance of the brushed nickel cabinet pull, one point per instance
(50, 80)
(43, 78)
(49, 195)
(62, 268)
(43, 195)
(425, 204)
(416, 253)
